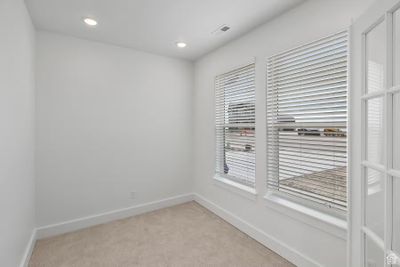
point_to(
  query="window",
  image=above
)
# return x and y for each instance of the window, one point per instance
(307, 121)
(235, 125)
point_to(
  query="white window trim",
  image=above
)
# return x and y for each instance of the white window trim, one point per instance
(229, 184)
(323, 220)
(307, 211)
(231, 67)
(237, 188)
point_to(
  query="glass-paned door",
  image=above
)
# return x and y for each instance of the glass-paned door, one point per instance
(373, 176)
(379, 43)
(394, 98)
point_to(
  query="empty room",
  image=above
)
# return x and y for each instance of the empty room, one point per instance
(237, 133)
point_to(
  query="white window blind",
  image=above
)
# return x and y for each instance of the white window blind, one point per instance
(307, 121)
(235, 125)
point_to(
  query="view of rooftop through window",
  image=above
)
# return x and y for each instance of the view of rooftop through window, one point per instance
(307, 121)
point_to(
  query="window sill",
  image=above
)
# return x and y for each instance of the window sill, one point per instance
(242, 190)
(313, 217)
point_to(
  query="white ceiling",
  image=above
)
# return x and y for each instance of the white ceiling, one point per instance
(156, 25)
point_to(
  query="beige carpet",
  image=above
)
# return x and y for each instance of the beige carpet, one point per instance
(183, 235)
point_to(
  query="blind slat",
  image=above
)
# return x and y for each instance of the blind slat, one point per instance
(235, 125)
(307, 121)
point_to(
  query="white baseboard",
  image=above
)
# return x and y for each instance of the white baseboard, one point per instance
(77, 224)
(28, 250)
(272, 243)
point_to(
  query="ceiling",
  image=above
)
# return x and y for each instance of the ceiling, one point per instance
(156, 25)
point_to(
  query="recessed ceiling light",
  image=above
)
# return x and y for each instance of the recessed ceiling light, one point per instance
(181, 44)
(90, 22)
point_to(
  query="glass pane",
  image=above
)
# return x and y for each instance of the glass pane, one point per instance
(374, 202)
(375, 130)
(396, 47)
(396, 215)
(375, 58)
(374, 255)
(240, 160)
(396, 131)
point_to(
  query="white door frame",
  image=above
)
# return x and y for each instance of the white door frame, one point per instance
(380, 12)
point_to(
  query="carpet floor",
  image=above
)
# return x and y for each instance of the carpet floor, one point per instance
(183, 235)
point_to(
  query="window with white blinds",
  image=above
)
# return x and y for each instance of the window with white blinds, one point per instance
(307, 121)
(235, 125)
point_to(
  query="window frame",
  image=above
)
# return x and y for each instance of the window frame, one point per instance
(305, 209)
(224, 181)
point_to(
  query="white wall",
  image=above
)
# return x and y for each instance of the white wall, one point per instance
(16, 131)
(110, 120)
(310, 21)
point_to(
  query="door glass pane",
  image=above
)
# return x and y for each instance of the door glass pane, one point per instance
(396, 215)
(375, 130)
(374, 255)
(396, 47)
(375, 58)
(396, 131)
(374, 201)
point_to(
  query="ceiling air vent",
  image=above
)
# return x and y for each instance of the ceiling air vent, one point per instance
(221, 29)
(225, 28)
